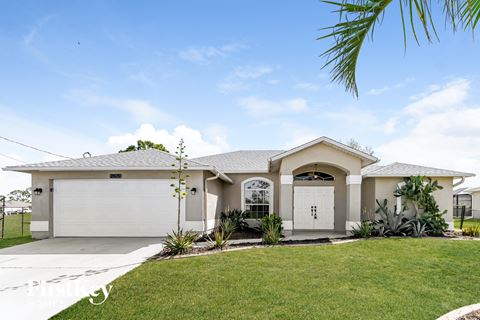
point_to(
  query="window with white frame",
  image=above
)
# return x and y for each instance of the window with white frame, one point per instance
(257, 197)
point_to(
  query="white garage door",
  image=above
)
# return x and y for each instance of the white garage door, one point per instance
(113, 208)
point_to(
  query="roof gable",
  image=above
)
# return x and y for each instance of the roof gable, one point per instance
(365, 157)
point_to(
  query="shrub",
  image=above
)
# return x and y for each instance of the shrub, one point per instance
(435, 223)
(180, 242)
(391, 223)
(221, 235)
(271, 227)
(365, 229)
(419, 229)
(235, 216)
(472, 231)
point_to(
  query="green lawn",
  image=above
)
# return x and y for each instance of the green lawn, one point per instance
(466, 223)
(373, 279)
(13, 230)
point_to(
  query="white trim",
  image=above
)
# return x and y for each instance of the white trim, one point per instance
(288, 225)
(451, 226)
(286, 179)
(38, 226)
(350, 224)
(272, 191)
(198, 225)
(354, 179)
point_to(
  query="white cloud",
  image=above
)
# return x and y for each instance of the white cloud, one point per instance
(250, 72)
(259, 107)
(46, 136)
(30, 36)
(443, 132)
(232, 86)
(142, 78)
(206, 54)
(212, 141)
(309, 86)
(12, 180)
(141, 110)
(390, 126)
(378, 91)
(238, 79)
(450, 96)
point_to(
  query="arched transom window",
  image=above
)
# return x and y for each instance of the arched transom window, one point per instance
(257, 197)
(314, 176)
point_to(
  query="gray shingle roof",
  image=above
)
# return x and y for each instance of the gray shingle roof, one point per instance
(241, 161)
(148, 159)
(398, 169)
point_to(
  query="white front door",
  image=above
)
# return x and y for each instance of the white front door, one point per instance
(313, 208)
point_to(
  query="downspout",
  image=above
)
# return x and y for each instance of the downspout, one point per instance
(205, 204)
(462, 180)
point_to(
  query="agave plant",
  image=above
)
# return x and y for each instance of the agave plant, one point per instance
(221, 235)
(180, 242)
(419, 229)
(236, 216)
(391, 223)
(271, 227)
(365, 229)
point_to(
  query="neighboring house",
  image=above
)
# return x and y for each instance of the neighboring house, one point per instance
(470, 198)
(320, 185)
(15, 206)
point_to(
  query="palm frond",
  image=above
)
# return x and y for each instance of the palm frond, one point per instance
(469, 13)
(358, 19)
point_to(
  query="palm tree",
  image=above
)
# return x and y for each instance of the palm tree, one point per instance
(358, 19)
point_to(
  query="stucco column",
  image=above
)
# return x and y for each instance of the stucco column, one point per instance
(354, 195)
(286, 201)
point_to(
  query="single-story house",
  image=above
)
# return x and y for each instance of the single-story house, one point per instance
(320, 185)
(470, 198)
(16, 206)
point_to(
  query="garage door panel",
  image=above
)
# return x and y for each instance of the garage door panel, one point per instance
(114, 208)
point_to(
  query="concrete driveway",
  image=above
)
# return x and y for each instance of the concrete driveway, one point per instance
(39, 279)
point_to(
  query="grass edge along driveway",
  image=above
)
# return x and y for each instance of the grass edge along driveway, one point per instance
(372, 279)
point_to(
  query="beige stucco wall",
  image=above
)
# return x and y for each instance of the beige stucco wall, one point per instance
(340, 190)
(324, 154)
(384, 188)
(368, 198)
(42, 204)
(232, 192)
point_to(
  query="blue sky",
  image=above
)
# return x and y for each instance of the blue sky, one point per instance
(94, 76)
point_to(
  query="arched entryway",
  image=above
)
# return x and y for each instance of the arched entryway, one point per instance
(319, 197)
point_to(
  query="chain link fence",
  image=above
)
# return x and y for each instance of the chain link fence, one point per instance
(14, 221)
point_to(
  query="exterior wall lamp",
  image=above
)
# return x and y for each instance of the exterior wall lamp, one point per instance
(193, 191)
(37, 191)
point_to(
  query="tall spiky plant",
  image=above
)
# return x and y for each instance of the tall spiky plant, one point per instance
(179, 176)
(358, 19)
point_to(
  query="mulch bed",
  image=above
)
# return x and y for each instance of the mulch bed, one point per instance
(475, 315)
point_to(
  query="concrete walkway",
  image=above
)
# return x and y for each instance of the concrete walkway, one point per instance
(39, 279)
